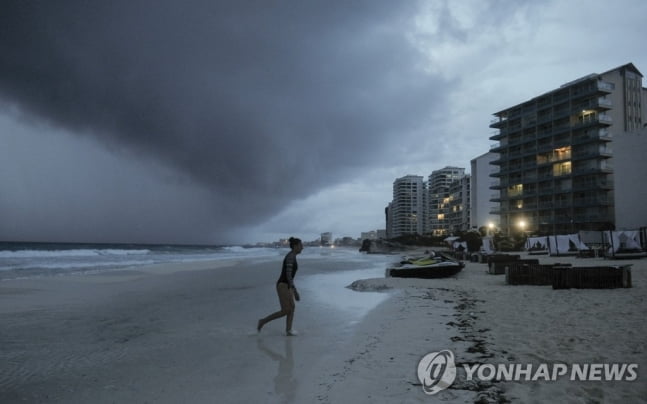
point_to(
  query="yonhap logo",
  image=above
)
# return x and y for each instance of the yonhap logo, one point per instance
(437, 371)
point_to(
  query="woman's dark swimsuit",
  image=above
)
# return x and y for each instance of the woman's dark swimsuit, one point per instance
(289, 270)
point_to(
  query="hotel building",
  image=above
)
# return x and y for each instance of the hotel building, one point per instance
(406, 213)
(481, 206)
(458, 208)
(558, 164)
(446, 201)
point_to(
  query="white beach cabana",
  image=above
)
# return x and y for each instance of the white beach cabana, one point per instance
(565, 244)
(537, 245)
(625, 242)
(488, 246)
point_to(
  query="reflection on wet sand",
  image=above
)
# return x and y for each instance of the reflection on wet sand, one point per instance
(285, 385)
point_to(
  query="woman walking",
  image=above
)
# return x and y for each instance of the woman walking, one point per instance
(285, 288)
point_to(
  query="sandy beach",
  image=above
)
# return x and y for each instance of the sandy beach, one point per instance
(495, 323)
(186, 333)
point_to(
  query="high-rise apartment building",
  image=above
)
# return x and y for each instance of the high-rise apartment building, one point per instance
(405, 214)
(326, 239)
(388, 215)
(481, 207)
(556, 160)
(438, 207)
(440, 214)
(458, 207)
(368, 235)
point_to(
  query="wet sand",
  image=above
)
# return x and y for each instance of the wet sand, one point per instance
(176, 333)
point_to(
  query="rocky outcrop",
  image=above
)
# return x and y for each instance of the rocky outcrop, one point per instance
(381, 247)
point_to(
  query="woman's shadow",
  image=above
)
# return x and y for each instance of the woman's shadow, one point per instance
(285, 384)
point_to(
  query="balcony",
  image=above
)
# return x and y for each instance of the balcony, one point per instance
(600, 217)
(529, 178)
(588, 153)
(605, 135)
(544, 133)
(560, 97)
(603, 118)
(512, 153)
(584, 138)
(604, 86)
(514, 193)
(604, 103)
(545, 191)
(600, 184)
(594, 87)
(592, 170)
(529, 207)
(544, 118)
(545, 147)
(592, 121)
(545, 219)
(562, 191)
(514, 168)
(513, 129)
(561, 113)
(563, 219)
(599, 103)
(588, 202)
(542, 177)
(561, 129)
(516, 140)
(562, 203)
(530, 192)
(497, 183)
(544, 102)
(497, 121)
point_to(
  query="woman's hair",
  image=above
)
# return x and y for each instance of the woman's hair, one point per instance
(294, 242)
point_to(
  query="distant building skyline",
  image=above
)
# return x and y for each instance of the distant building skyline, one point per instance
(435, 207)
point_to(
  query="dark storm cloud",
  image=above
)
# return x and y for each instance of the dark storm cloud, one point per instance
(260, 101)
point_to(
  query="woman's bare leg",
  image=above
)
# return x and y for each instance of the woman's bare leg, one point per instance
(286, 299)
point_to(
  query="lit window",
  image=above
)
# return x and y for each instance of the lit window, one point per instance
(515, 190)
(563, 153)
(562, 168)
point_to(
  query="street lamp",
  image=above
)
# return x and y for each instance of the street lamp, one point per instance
(490, 227)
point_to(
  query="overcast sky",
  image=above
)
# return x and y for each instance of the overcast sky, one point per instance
(243, 121)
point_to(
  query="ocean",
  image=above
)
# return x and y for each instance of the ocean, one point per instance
(27, 260)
